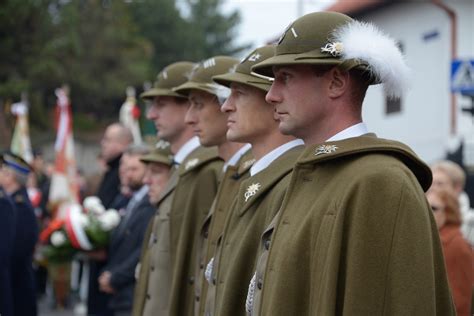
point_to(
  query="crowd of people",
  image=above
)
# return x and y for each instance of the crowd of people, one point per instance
(266, 194)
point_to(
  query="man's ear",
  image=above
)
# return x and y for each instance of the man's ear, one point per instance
(339, 81)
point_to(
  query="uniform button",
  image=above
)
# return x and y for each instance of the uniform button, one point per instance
(266, 244)
(197, 298)
(259, 284)
(191, 280)
(152, 268)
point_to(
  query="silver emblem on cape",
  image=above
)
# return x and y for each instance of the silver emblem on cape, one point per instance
(252, 190)
(191, 163)
(250, 295)
(248, 163)
(325, 149)
(335, 49)
(209, 268)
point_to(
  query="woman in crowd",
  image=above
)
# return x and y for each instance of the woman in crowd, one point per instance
(457, 252)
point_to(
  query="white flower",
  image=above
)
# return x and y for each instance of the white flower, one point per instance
(93, 204)
(109, 220)
(58, 239)
(84, 220)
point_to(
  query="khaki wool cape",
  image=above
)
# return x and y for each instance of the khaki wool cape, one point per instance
(355, 236)
(193, 197)
(249, 216)
(211, 228)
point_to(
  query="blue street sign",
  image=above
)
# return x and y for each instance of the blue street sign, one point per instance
(462, 76)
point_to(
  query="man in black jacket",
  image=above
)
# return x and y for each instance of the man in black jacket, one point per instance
(114, 142)
(7, 236)
(118, 278)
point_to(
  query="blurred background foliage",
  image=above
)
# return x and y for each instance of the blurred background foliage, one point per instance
(99, 48)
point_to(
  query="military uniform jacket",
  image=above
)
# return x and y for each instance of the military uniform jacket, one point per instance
(355, 236)
(154, 268)
(26, 236)
(211, 228)
(257, 202)
(7, 237)
(197, 186)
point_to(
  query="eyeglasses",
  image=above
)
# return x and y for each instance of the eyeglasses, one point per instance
(436, 208)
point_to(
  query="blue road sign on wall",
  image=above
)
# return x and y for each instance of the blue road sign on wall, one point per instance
(462, 76)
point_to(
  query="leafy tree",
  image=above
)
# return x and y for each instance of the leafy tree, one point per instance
(213, 33)
(101, 52)
(201, 32)
(99, 47)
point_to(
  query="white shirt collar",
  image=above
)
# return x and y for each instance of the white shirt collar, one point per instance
(138, 195)
(235, 157)
(186, 149)
(266, 160)
(352, 131)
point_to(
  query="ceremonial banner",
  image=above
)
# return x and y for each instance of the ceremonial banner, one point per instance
(64, 187)
(130, 115)
(21, 144)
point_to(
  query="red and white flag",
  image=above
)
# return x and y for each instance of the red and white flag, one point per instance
(130, 115)
(21, 143)
(64, 188)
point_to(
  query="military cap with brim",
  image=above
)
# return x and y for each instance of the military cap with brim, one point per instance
(243, 72)
(15, 163)
(170, 77)
(331, 38)
(201, 77)
(161, 154)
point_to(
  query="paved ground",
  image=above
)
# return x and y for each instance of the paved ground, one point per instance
(44, 309)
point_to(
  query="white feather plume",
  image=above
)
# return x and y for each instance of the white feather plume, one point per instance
(365, 42)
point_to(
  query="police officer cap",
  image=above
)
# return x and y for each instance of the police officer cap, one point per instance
(201, 76)
(15, 163)
(331, 38)
(170, 77)
(161, 154)
(243, 73)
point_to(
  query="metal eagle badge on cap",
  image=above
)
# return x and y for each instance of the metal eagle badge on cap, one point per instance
(191, 163)
(325, 149)
(335, 49)
(252, 190)
(162, 144)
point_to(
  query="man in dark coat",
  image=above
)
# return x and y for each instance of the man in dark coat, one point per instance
(7, 236)
(116, 139)
(118, 278)
(13, 176)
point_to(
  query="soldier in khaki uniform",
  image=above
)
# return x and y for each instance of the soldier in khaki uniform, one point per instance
(210, 126)
(355, 235)
(192, 186)
(251, 120)
(158, 171)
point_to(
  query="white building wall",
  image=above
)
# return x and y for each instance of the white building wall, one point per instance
(424, 122)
